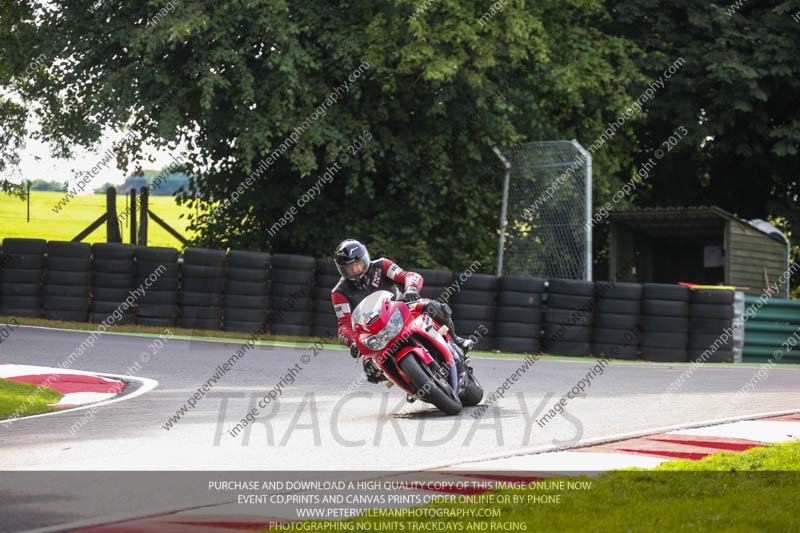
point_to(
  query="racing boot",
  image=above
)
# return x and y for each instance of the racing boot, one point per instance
(443, 314)
(465, 344)
(374, 374)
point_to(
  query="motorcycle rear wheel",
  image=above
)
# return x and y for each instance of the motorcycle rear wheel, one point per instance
(428, 388)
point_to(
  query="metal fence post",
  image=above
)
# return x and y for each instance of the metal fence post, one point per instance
(503, 210)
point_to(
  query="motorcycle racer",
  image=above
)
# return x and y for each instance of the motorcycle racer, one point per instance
(360, 277)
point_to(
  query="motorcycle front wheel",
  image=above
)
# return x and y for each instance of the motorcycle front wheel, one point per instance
(428, 388)
(473, 392)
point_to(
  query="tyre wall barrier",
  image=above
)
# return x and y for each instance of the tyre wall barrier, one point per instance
(246, 294)
(288, 294)
(711, 314)
(67, 281)
(771, 331)
(23, 262)
(569, 318)
(161, 302)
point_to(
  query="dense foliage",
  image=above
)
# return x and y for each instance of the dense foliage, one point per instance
(432, 87)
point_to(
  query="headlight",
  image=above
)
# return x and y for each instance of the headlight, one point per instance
(390, 331)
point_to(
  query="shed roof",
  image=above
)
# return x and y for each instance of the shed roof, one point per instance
(679, 222)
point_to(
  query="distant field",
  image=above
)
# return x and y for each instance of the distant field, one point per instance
(82, 211)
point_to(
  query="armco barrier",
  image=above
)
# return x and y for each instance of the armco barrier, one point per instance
(772, 331)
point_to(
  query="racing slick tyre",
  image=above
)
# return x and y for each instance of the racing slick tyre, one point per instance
(430, 388)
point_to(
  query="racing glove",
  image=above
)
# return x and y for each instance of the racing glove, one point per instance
(354, 353)
(411, 295)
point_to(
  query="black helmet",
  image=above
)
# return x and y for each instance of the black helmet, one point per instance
(349, 252)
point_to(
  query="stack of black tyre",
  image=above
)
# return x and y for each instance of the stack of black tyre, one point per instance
(247, 292)
(202, 288)
(437, 284)
(157, 274)
(291, 294)
(324, 323)
(112, 279)
(665, 322)
(617, 324)
(473, 306)
(710, 325)
(569, 317)
(67, 282)
(518, 318)
(23, 264)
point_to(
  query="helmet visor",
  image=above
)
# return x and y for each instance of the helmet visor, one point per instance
(355, 269)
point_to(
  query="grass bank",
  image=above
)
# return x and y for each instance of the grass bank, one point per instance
(21, 399)
(79, 213)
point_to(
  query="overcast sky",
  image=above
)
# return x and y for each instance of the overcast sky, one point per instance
(36, 163)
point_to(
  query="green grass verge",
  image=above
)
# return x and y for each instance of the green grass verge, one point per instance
(303, 342)
(751, 491)
(82, 211)
(21, 399)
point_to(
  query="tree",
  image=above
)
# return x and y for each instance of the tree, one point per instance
(42, 185)
(738, 95)
(434, 92)
(15, 62)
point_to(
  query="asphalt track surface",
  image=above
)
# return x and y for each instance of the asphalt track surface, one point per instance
(315, 424)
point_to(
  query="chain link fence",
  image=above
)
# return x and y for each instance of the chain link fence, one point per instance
(546, 230)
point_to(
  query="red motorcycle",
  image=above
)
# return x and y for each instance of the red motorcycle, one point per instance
(415, 352)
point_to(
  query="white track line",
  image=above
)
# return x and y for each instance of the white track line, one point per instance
(619, 437)
(147, 385)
